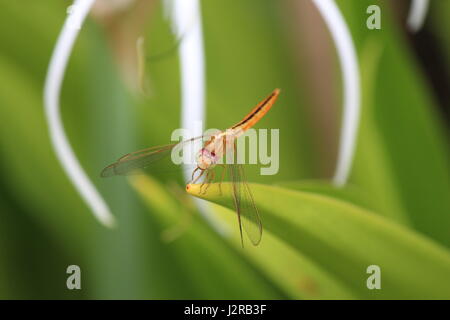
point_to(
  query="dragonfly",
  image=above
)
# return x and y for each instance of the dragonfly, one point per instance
(214, 148)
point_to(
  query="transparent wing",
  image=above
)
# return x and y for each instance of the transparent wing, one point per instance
(248, 215)
(134, 161)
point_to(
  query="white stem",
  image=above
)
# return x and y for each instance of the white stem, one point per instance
(417, 14)
(186, 18)
(52, 90)
(350, 76)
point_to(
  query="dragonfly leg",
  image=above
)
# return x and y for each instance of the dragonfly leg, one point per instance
(193, 172)
(198, 177)
(203, 183)
(209, 179)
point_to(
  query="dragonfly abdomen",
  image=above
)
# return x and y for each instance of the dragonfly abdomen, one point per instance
(258, 112)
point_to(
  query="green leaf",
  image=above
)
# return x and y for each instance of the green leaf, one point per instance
(349, 193)
(345, 239)
(290, 270)
(212, 268)
(278, 264)
(402, 156)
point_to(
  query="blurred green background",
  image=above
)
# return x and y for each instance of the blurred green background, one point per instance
(317, 242)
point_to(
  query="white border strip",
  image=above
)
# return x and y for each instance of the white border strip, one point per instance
(350, 75)
(55, 74)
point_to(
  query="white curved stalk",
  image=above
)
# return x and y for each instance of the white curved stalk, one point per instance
(187, 24)
(55, 74)
(417, 14)
(350, 76)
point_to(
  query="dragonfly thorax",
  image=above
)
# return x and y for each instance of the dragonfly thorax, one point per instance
(206, 159)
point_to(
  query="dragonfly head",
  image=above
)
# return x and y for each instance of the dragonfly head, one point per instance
(206, 159)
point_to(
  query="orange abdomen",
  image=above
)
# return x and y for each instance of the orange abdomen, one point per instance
(258, 112)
